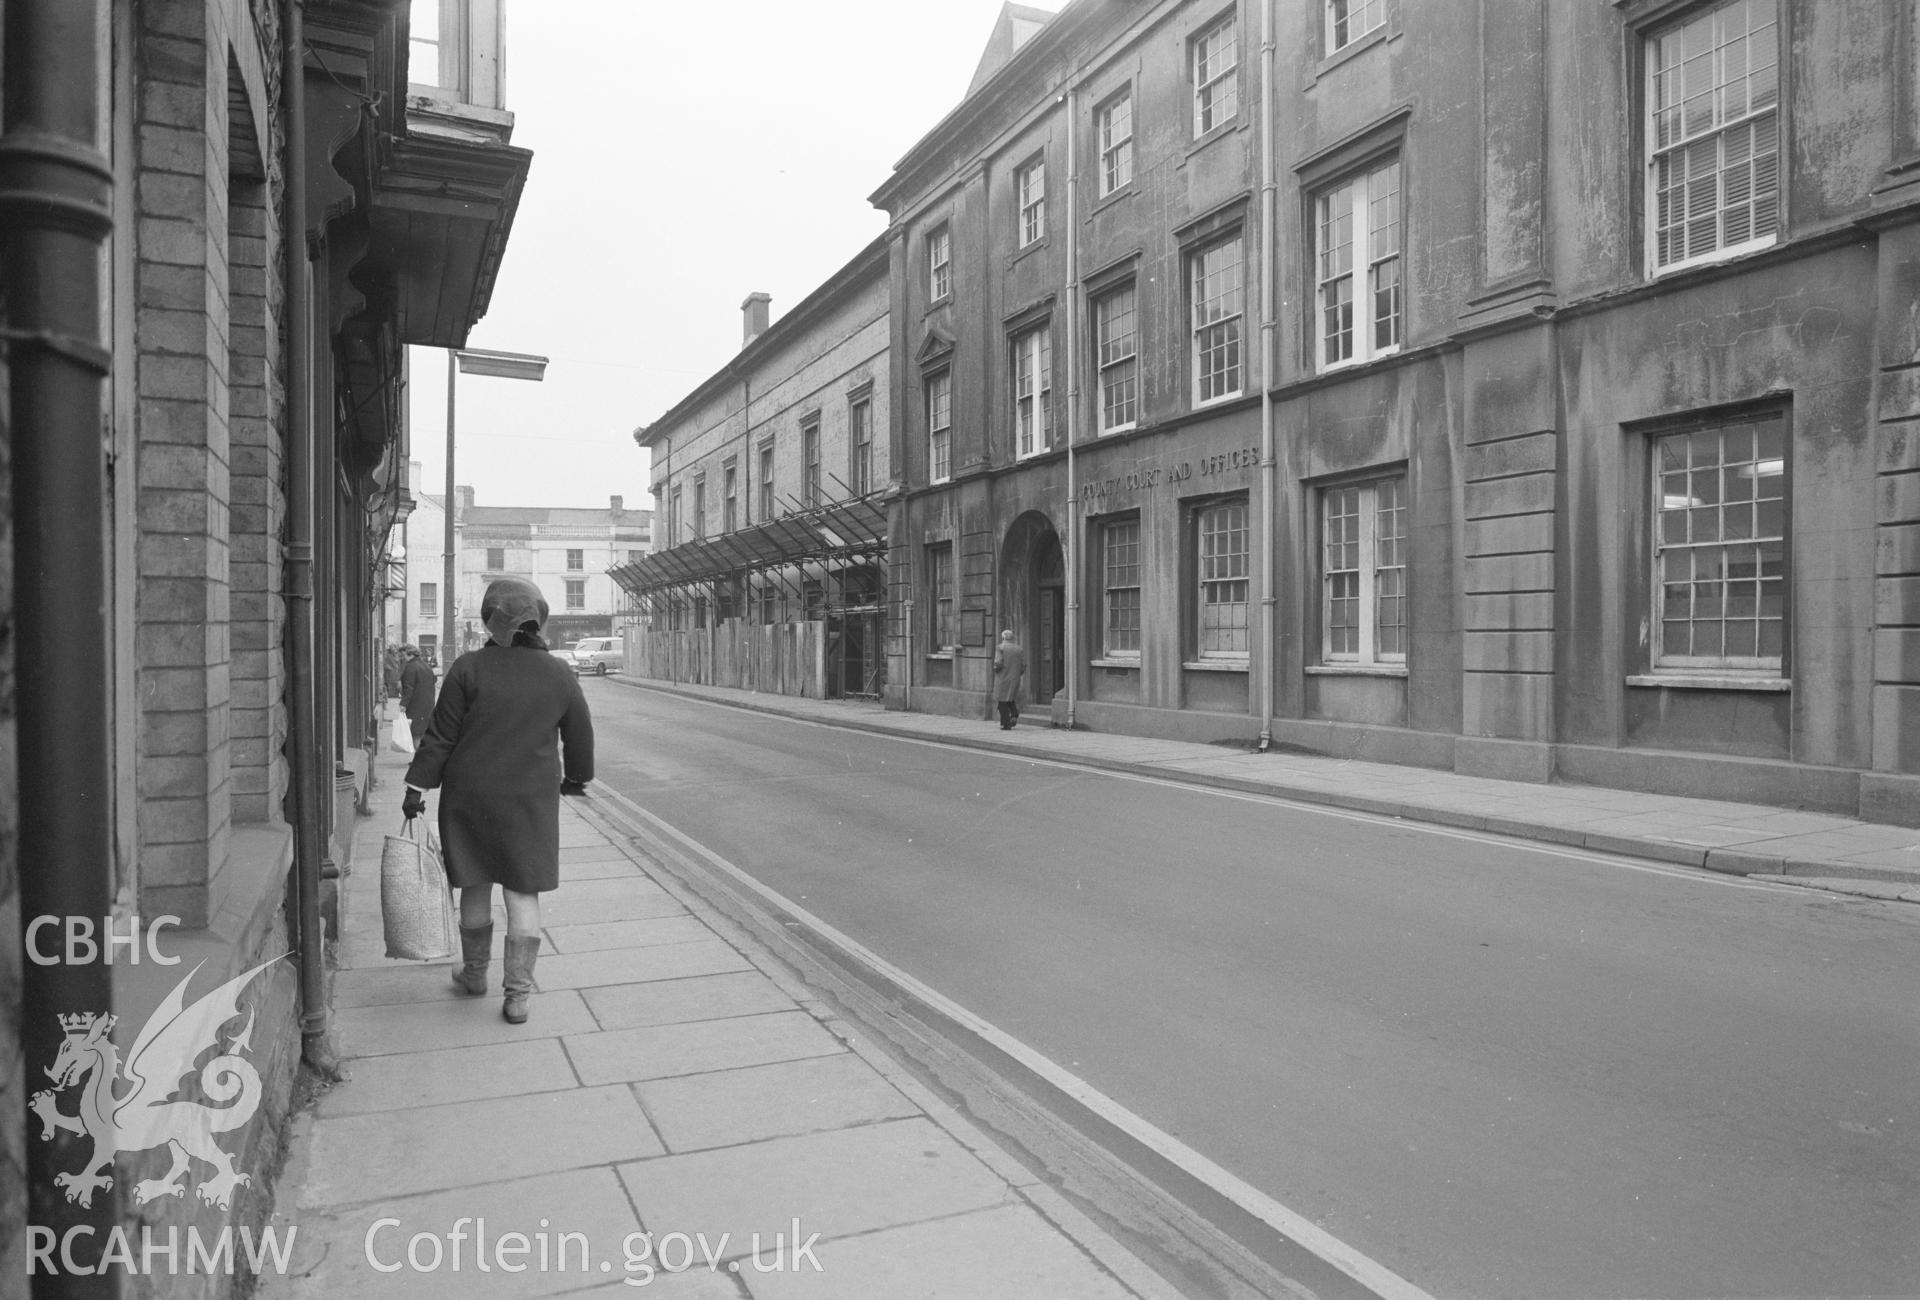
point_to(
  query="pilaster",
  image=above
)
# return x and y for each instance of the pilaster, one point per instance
(182, 606)
(1510, 472)
(1896, 691)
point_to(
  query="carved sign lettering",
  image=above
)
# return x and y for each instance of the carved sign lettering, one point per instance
(1146, 480)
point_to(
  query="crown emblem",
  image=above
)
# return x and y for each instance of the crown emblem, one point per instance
(83, 1021)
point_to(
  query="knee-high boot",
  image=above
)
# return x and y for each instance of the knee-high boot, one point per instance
(476, 951)
(518, 983)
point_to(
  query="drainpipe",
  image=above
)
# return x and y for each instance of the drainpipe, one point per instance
(306, 747)
(1269, 469)
(1072, 548)
(56, 195)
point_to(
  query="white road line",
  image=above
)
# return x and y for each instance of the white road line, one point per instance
(1382, 1280)
(1675, 871)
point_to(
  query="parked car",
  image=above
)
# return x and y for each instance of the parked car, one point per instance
(597, 654)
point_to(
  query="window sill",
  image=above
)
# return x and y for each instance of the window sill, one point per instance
(1714, 258)
(1213, 134)
(1113, 663)
(1356, 670)
(1358, 363)
(1108, 200)
(1711, 682)
(1215, 665)
(1207, 404)
(1128, 427)
(1352, 49)
(940, 654)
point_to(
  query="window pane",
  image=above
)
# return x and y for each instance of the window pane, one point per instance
(1348, 20)
(1116, 345)
(1390, 574)
(1721, 547)
(1336, 274)
(1383, 252)
(1122, 566)
(1116, 144)
(1216, 90)
(1713, 87)
(939, 424)
(423, 42)
(1217, 308)
(1223, 580)
(939, 256)
(1340, 566)
(940, 578)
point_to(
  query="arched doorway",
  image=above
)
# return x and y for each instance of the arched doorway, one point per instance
(1033, 601)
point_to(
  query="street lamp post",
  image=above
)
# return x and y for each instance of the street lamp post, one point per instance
(475, 361)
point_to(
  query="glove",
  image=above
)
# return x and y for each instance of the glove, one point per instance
(413, 805)
(576, 788)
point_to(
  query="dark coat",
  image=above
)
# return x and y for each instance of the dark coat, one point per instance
(494, 749)
(416, 689)
(1009, 666)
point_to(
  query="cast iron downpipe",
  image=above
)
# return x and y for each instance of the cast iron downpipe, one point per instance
(1269, 470)
(1071, 557)
(56, 193)
(306, 746)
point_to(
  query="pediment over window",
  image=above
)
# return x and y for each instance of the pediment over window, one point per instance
(934, 348)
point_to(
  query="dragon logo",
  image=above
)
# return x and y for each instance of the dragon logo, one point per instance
(151, 1113)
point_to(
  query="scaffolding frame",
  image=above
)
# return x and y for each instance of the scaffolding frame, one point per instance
(836, 551)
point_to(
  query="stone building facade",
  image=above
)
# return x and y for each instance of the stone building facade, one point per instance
(567, 552)
(249, 352)
(766, 480)
(1519, 397)
(418, 574)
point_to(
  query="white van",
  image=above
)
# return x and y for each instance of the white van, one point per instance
(597, 654)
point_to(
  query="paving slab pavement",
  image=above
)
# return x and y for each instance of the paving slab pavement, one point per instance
(675, 1093)
(1795, 846)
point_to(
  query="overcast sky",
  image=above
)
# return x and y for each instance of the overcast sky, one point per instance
(683, 156)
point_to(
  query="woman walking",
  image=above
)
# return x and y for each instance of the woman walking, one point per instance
(507, 711)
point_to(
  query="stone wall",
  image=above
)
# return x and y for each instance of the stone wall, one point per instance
(207, 337)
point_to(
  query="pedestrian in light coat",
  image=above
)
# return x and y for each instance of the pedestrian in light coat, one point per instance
(1009, 665)
(510, 735)
(416, 691)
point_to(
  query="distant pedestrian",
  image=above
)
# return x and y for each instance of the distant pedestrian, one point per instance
(505, 716)
(1009, 666)
(416, 691)
(390, 673)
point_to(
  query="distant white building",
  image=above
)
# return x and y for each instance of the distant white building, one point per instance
(564, 551)
(414, 612)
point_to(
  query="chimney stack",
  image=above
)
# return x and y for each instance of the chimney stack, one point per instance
(617, 504)
(753, 316)
(463, 498)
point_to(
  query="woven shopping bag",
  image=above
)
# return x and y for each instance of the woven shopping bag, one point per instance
(415, 902)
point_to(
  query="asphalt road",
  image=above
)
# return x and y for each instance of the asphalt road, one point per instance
(1499, 1071)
